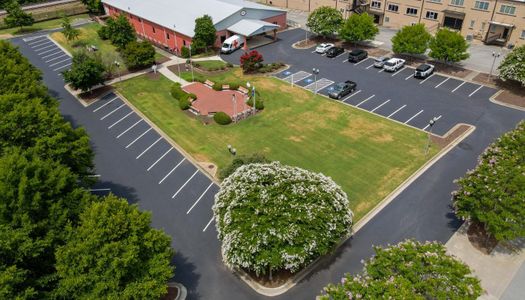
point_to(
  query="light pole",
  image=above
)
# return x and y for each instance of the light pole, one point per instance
(176, 49)
(494, 56)
(234, 102)
(117, 64)
(253, 95)
(315, 71)
(191, 66)
(305, 35)
(430, 124)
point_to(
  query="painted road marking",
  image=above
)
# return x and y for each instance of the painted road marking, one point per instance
(33, 38)
(442, 82)
(475, 91)
(345, 60)
(380, 105)
(180, 162)
(409, 76)
(199, 199)
(69, 64)
(339, 55)
(64, 60)
(382, 70)
(109, 127)
(112, 112)
(37, 50)
(365, 100)
(353, 94)
(40, 43)
(298, 76)
(159, 159)
(397, 110)
(361, 61)
(414, 116)
(105, 104)
(54, 53)
(425, 128)
(458, 86)
(129, 145)
(207, 225)
(118, 136)
(189, 179)
(369, 66)
(54, 58)
(319, 84)
(426, 79)
(160, 138)
(47, 51)
(399, 71)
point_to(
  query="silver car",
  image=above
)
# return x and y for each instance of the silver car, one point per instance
(380, 61)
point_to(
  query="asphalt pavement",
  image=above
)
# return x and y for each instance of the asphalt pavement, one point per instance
(132, 162)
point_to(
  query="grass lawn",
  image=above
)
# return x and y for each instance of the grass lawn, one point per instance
(49, 24)
(211, 64)
(367, 155)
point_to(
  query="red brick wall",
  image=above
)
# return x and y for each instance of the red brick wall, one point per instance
(279, 20)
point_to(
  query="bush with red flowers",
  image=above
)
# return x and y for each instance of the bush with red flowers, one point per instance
(251, 61)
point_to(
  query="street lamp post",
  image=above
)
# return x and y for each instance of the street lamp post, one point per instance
(430, 124)
(234, 102)
(191, 66)
(176, 49)
(253, 95)
(117, 64)
(315, 71)
(494, 57)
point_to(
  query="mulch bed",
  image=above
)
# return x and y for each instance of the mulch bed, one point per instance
(278, 278)
(172, 293)
(479, 238)
(175, 69)
(207, 72)
(92, 96)
(512, 92)
(442, 142)
(452, 70)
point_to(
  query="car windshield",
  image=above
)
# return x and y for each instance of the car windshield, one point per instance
(423, 68)
(339, 87)
(381, 59)
(389, 63)
(225, 45)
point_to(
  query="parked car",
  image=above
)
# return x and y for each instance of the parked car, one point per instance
(357, 55)
(424, 70)
(231, 44)
(380, 61)
(393, 64)
(334, 51)
(324, 47)
(342, 89)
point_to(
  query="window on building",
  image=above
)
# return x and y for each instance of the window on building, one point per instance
(431, 15)
(393, 7)
(472, 22)
(376, 4)
(483, 5)
(507, 9)
(483, 26)
(523, 34)
(140, 20)
(184, 42)
(411, 11)
(435, 1)
(387, 19)
(167, 36)
(153, 28)
(457, 2)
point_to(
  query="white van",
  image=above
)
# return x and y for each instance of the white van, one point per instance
(231, 44)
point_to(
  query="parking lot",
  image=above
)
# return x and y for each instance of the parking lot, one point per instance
(50, 54)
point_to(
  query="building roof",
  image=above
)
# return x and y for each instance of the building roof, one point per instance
(250, 27)
(181, 14)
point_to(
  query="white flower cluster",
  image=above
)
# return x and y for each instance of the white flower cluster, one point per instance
(271, 216)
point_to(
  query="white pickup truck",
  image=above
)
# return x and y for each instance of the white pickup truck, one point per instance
(393, 64)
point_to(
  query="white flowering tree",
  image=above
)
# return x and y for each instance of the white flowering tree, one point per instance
(494, 192)
(408, 270)
(274, 217)
(513, 66)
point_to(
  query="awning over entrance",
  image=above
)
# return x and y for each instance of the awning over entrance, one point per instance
(453, 13)
(501, 24)
(248, 27)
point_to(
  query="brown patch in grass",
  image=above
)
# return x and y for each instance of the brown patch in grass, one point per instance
(358, 127)
(383, 138)
(295, 138)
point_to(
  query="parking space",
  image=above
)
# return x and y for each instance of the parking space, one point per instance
(51, 55)
(185, 184)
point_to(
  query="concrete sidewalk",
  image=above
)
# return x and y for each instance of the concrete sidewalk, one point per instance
(502, 273)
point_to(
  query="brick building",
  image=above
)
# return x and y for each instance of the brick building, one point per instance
(170, 23)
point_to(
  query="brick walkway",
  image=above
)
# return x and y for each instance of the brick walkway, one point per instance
(212, 101)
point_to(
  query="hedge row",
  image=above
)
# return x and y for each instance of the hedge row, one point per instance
(181, 96)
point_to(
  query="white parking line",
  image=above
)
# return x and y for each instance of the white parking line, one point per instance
(458, 86)
(442, 82)
(118, 136)
(69, 64)
(369, 66)
(398, 71)
(34, 40)
(353, 94)
(475, 91)
(361, 61)
(111, 112)
(129, 145)
(180, 189)
(54, 58)
(40, 43)
(109, 127)
(365, 100)
(345, 60)
(390, 115)
(338, 55)
(425, 128)
(380, 105)
(207, 225)
(160, 138)
(40, 54)
(54, 53)
(38, 50)
(159, 159)
(313, 51)
(414, 116)
(180, 162)
(426, 79)
(105, 104)
(200, 197)
(297, 76)
(64, 60)
(409, 76)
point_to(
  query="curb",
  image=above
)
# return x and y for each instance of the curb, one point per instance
(58, 45)
(183, 292)
(493, 100)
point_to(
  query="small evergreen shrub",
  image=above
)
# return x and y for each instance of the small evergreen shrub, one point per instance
(103, 33)
(184, 103)
(240, 161)
(217, 86)
(259, 104)
(222, 118)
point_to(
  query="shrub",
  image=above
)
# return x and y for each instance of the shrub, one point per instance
(184, 103)
(259, 104)
(275, 217)
(103, 33)
(513, 66)
(251, 61)
(176, 91)
(241, 161)
(192, 96)
(229, 65)
(234, 86)
(217, 86)
(138, 54)
(222, 118)
(185, 53)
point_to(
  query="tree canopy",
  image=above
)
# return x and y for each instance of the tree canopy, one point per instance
(16, 17)
(138, 54)
(68, 30)
(513, 66)
(325, 21)
(86, 72)
(358, 27)
(119, 31)
(94, 6)
(449, 46)
(411, 39)
(205, 32)
(494, 192)
(408, 270)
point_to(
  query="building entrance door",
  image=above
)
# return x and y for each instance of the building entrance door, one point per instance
(453, 23)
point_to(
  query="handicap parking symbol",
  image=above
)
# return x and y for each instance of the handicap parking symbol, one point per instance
(287, 73)
(309, 80)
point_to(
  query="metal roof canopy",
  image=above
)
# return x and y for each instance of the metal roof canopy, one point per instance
(252, 27)
(501, 24)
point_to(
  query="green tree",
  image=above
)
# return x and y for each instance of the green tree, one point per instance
(449, 46)
(139, 54)
(120, 31)
(69, 31)
(358, 27)
(411, 39)
(114, 254)
(93, 6)
(513, 66)
(408, 270)
(205, 32)
(85, 73)
(325, 21)
(16, 17)
(493, 193)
